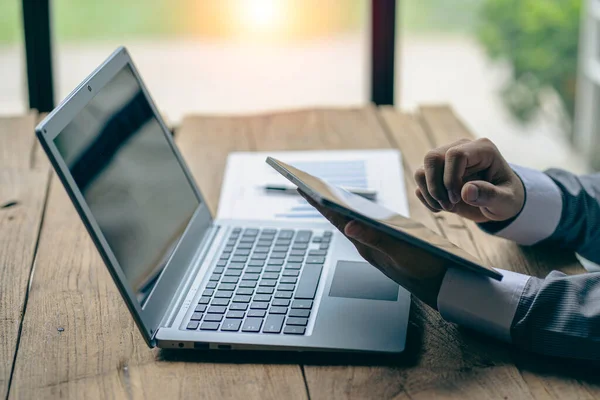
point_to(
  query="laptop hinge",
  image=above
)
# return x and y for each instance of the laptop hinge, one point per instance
(188, 279)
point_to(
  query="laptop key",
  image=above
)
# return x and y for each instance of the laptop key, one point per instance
(246, 291)
(286, 234)
(303, 236)
(275, 261)
(230, 279)
(252, 325)
(273, 323)
(215, 277)
(293, 265)
(204, 300)
(307, 286)
(233, 272)
(262, 297)
(219, 302)
(315, 260)
(225, 256)
(221, 263)
(240, 259)
(268, 282)
(192, 325)
(238, 307)
(299, 246)
(270, 231)
(296, 321)
(197, 316)
(282, 249)
(209, 326)
(300, 253)
(217, 309)
(280, 303)
(247, 239)
(245, 246)
(226, 286)
(255, 305)
(257, 313)
(270, 275)
(324, 246)
(278, 310)
(288, 279)
(241, 252)
(295, 259)
(265, 290)
(278, 254)
(253, 270)
(261, 249)
(214, 318)
(241, 299)
(327, 233)
(273, 268)
(294, 330)
(236, 266)
(316, 239)
(251, 232)
(237, 229)
(283, 243)
(235, 314)
(251, 277)
(321, 253)
(296, 312)
(283, 295)
(200, 308)
(256, 263)
(303, 304)
(224, 294)
(231, 325)
(287, 287)
(218, 270)
(248, 284)
(259, 256)
(211, 285)
(287, 272)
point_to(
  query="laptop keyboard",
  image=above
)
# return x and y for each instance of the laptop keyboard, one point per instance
(264, 281)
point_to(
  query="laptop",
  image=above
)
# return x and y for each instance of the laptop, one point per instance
(191, 281)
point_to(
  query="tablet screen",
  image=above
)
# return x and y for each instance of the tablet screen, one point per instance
(380, 217)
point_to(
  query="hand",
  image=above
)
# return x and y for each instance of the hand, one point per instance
(471, 179)
(411, 267)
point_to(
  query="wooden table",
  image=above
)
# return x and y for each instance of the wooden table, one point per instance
(65, 331)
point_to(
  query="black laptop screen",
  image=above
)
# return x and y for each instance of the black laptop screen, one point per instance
(132, 182)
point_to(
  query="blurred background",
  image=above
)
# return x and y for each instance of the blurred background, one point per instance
(508, 67)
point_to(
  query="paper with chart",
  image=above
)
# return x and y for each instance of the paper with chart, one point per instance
(243, 194)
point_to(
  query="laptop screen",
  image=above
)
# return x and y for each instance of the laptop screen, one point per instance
(131, 179)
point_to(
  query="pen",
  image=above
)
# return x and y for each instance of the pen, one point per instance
(369, 194)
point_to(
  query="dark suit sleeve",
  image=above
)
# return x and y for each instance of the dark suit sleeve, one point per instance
(560, 315)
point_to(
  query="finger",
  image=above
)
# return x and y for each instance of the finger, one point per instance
(422, 184)
(495, 202)
(462, 159)
(337, 219)
(372, 238)
(434, 176)
(420, 197)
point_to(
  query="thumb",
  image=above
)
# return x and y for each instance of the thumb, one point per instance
(495, 202)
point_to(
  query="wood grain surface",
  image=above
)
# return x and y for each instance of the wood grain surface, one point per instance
(79, 341)
(23, 186)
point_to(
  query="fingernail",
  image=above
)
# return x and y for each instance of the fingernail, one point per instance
(352, 229)
(446, 205)
(454, 198)
(472, 193)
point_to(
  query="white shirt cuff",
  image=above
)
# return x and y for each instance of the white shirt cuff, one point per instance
(542, 210)
(481, 303)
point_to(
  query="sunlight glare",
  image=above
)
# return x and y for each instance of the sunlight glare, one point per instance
(261, 15)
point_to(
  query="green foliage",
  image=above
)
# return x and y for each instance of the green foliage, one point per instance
(539, 39)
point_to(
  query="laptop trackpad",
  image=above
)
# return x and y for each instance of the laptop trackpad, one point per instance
(359, 280)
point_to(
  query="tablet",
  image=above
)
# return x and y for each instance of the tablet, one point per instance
(381, 218)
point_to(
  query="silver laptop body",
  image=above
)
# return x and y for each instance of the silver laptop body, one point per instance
(193, 282)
